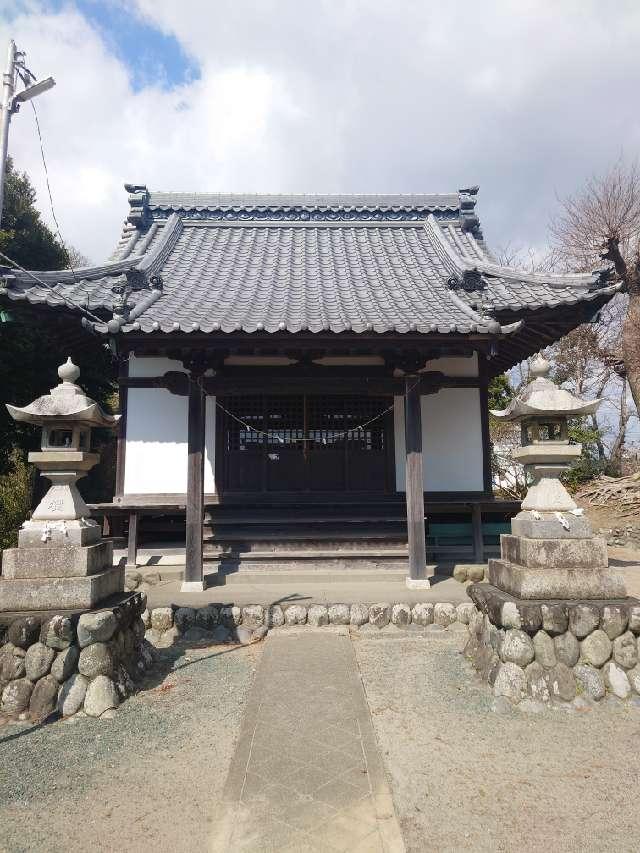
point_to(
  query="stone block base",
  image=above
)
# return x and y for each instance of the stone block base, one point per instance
(40, 534)
(554, 553)
(59, 593)
(548, 526)
(57, 561)
(554, 650)
(562, 583)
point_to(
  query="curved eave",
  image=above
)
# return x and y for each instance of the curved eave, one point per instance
(462, 262)
(545, 324)
(522, 410)
(91, 416)
(486, 328)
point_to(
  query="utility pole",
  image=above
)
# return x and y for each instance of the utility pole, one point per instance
(11, 102)
(8, 88)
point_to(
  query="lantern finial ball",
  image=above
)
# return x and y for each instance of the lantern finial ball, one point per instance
(68, 371)
(540, 367)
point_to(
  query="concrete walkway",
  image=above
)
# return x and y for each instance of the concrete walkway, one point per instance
(307, 774)
(166, 591)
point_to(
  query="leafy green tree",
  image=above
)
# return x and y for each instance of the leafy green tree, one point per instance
(24, 237)
(589, 464)
(500, 392)
(33, 343)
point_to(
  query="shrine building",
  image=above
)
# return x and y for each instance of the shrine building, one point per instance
(303, 378)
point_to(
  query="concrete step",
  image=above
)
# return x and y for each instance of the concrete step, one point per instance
(296, 575)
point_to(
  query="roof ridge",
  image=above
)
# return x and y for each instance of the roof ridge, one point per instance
(147, 205)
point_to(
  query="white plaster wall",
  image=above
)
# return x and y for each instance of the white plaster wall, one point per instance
(156, 454)
(455, 365)
(152, 366)
(452, 456)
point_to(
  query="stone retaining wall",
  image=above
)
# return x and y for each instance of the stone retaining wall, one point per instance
(554, 651)
(69, 664)
(229, 623)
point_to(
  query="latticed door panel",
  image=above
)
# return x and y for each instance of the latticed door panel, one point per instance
(285, 464)
(294, 442)
(243, 425)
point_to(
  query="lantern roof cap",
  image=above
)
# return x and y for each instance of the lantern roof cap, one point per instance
(66, 402)
(541, 397)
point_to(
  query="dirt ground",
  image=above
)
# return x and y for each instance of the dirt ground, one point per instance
(147, 780)
(463, 777)
(466, 778)
(608, 516)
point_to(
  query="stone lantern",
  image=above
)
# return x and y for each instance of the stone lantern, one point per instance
(61, 560)
(542, 409)
(551, 551)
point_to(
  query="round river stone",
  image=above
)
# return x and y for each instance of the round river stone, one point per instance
(625, 651)
(38, 660)
(596, 648)
(95, 659)
(590, 680)
(517, 647)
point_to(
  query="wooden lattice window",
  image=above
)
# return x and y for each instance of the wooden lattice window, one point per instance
(248, 408)
(335, 420)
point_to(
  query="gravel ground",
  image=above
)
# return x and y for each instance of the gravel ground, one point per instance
(146, 780)
(467, 778)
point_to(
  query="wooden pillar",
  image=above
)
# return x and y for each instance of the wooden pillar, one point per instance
(478, 543)
(132, 542)
(193, 574)
(414, 487)
(121, 446)
(484, 424)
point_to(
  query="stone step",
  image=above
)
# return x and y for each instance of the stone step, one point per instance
(295, 561)
(309, 531)
(306, 518)
(303, 544)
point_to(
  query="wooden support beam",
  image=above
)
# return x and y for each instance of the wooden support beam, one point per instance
(414, 488)
(487, 477)
(193, 571)
(121, 441)
(478, 543)
(132, 541)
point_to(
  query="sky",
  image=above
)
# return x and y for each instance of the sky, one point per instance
(527, 99)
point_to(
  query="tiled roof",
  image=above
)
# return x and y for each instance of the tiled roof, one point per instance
(407, 264)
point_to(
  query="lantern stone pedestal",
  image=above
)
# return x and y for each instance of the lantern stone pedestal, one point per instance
(61, 562)
(557, 563)
(554, 620)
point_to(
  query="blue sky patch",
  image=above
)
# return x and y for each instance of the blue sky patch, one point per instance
(151, 56)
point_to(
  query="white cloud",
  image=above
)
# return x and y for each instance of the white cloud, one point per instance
(526, 98)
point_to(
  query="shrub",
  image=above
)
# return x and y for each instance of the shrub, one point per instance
(16, 488)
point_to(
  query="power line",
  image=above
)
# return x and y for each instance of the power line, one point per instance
(46, 176)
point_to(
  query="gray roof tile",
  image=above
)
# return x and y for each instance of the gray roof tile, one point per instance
(392, 271)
